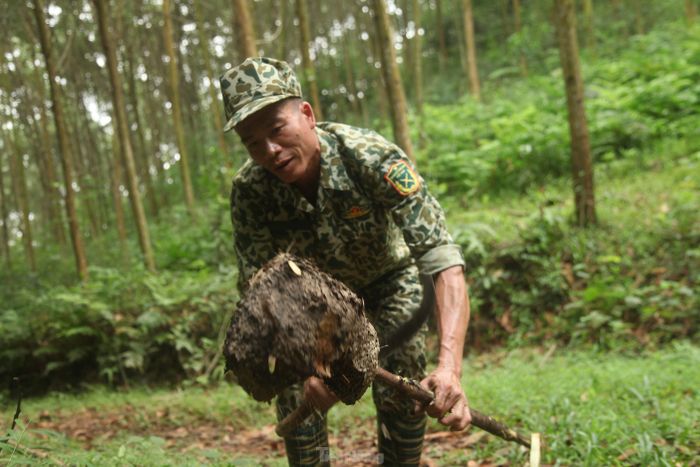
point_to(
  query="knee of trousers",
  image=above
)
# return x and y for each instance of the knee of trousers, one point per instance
(409, 361)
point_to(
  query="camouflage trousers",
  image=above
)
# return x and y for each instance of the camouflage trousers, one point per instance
(389, 302)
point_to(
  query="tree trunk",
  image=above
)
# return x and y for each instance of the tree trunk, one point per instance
(392, 79)
(206, 59)
(381, 88)
(307, 64)
(355, 102)
(95, 154)
(83, 175)
(243, 28)
(142, 158)
(66, 159)
(468, 17)
(691, 11)
(19, 187)
(53, 193)
(518, 28)
(638, 18)
(177, 113)
(418, 60)
(116, 180)
(588, 24)
(3, 219)
(621, 16)
(442, 42)
(580, 146)
(44, 161)
(282, 41)
(123, 132)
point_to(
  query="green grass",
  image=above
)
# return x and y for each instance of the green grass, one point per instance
(593, 408)
(633, 195)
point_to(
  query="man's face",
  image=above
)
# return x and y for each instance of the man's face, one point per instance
(281, 139)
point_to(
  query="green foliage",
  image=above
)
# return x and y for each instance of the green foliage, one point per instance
(520, 138)
(126, 324)
(117, 326)
(631, 282)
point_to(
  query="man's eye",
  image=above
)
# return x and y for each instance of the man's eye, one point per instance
(252, 145)
(277, 129)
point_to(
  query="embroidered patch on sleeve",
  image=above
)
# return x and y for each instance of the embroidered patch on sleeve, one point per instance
(402, 177)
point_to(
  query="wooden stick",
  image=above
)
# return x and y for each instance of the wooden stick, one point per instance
(415, 391)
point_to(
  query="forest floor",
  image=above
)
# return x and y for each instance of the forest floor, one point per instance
(592, 407)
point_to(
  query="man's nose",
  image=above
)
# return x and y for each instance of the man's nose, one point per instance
(271, 147)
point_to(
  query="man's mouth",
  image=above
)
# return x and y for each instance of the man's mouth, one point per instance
(282, 164)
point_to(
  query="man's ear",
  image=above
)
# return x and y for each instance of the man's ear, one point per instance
(308, 112)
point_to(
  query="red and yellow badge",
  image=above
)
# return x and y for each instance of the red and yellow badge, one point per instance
(402, 177)
(355, 212)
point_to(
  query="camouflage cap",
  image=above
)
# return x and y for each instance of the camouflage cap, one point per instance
(254, 84)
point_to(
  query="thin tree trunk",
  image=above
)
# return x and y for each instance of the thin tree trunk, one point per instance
(123, 132)
(691, 11)
(19, 187)
(155, 107)
(84, 178)
(115, 184)
(243, 27)
(66, 159)
(53, 193)
(406, 67)
(638, 18)
(468, 17)
(95, 156)
(518, 28)
(417, 60)
(463, 84)
(581, 164)
(44, 158)
(307, 64)
(3, 219)
(349, 76)
(588, 24)
(382, 95)
(621, 16)
(206, 59)
(142, 159)
(442, 42)
(392, 79)
(177, 113)
(282, 41)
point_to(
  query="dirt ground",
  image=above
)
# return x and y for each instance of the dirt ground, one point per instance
(91, 427)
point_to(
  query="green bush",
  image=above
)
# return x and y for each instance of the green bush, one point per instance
(586, 287)
(117, 327)
(520, 138)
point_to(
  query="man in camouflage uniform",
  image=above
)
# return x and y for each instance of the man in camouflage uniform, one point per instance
(353, 203)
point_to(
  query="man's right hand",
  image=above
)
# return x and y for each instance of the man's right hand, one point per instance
(318, 394)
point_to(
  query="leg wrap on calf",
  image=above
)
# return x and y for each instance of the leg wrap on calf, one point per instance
(399, 431)
(308, 443)
(400, 438)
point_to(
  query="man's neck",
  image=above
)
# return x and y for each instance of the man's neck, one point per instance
(308, 185)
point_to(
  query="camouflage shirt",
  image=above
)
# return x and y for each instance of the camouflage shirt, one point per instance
(373, 213)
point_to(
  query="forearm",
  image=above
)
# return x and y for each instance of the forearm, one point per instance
(452, 313)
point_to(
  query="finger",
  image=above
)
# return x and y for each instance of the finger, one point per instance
(448, 397)
(458, 418)
(419, 408)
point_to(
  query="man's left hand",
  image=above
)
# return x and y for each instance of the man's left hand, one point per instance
(450, 406)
